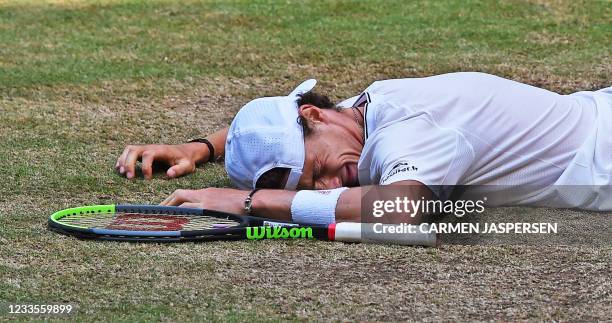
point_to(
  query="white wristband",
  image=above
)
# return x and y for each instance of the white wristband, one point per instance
(315, 207)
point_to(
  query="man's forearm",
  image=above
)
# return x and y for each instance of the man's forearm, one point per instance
(273, 204)
(200, 151)
(350, 209)
(276, 204)
(217, 139)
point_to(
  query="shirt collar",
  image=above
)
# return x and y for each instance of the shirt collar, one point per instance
(364, 99)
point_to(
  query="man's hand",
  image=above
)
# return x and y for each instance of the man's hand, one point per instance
(218, 199)
(182, 159)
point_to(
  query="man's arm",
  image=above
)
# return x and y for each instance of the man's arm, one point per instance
(276, 204)
(181, 158)
(217, 139)
(349, 207)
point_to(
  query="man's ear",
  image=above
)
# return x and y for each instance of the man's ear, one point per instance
(312, 113)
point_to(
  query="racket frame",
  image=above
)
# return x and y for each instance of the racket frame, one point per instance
(232, 233)
(346, 232)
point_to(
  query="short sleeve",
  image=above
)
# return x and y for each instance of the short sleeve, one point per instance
(417, 149)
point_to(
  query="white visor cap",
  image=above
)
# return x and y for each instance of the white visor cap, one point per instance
(265, 134)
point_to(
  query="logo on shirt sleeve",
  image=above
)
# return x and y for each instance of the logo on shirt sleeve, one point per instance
(400, 167)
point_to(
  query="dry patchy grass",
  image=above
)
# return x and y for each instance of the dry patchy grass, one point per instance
(62, 129)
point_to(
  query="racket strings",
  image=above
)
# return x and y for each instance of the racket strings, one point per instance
(147, 221)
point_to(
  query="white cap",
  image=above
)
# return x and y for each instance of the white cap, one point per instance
(265, 134)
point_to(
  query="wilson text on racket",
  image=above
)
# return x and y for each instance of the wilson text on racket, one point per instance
(278, 232)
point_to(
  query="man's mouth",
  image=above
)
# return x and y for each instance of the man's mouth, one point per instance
(351, 178)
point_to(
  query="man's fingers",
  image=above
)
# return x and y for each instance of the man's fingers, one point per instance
(172, 200)
(167, 200)
(130, 162)
(177, 198)
(147, 164)
(192, 205)
(149, 154)
(121, 160)
(183, 167)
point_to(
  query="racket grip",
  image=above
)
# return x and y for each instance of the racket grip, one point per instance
(370, 233)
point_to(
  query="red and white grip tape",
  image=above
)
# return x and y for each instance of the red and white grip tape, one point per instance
(353, 232)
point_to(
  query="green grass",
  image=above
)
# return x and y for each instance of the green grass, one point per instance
(79, 80)
(79, 43)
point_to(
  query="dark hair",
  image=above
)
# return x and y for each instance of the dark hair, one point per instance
(319, 101)
(275, 178)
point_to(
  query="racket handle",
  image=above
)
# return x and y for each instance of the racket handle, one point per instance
(353, 232)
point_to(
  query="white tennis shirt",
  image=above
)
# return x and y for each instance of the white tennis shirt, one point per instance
(512, 140)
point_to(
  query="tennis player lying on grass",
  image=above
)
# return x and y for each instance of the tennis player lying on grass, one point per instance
(422, 133)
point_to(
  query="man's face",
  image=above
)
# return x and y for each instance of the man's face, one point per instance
(332, 149)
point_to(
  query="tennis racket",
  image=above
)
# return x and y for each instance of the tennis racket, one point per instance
(153, 223)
